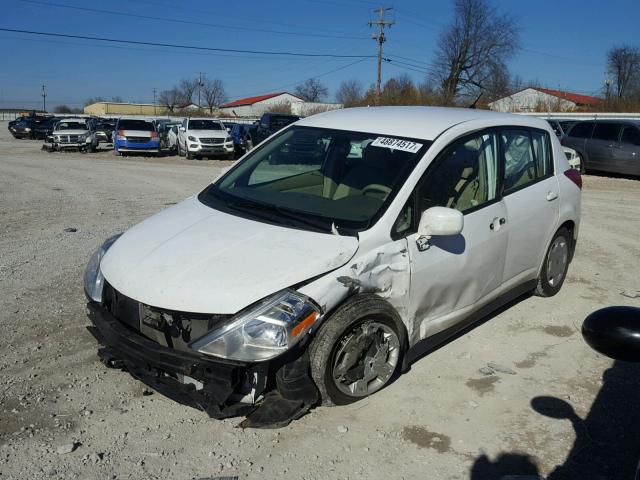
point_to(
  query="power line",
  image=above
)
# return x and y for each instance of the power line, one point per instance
(280, 87)
(188, 47)
(187, 22)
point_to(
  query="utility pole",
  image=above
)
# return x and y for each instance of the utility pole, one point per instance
(380, 38)
(44, 98)
(199, 86)
(155, 111)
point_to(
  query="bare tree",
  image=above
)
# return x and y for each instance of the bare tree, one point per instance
(312, 90)
(92, 100)
(214, 94)
(63, 109)
(624, 66)
(474, 47)
(349, 93)
(171, 99)
(187, 88)
(117, 99)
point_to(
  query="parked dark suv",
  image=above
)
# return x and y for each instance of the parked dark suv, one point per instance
(606, 145)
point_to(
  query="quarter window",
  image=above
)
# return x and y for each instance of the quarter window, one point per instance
(527, 158)
(465, 178)
(631, 135)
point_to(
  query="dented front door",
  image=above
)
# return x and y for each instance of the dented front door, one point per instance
(454, 275)
(457, 273)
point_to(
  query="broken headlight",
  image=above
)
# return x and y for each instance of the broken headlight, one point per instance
(93, 279)
(264, 330)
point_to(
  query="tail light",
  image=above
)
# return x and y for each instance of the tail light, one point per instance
(574, 175)
(154, 134)
(120, 135)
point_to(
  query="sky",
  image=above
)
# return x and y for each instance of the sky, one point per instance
(564, 44)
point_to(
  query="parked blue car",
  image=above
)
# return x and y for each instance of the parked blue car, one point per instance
(132, 135)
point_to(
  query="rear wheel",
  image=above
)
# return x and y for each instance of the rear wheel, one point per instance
(356, 351)
(555, 264)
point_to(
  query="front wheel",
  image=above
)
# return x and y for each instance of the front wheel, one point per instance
(188, 155)
(555, 264)
(356, 351)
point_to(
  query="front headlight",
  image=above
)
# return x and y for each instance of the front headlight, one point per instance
(193, 139)
(27, 129)
(263, 331)
(81, 138)
(93, 279)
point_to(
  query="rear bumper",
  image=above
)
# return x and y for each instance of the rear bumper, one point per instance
(215, 386)
(127, 146)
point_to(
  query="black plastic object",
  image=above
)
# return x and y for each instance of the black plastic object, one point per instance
(614, 332)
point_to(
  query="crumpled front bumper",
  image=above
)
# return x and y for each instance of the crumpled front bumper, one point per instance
(283, 387)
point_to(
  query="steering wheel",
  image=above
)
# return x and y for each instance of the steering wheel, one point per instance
(376, 187)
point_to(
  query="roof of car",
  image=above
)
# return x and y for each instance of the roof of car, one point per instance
(205, 118)
(413, 122)
(73, 120)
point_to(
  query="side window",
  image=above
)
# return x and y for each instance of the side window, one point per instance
(581, 130)
(527, 157)
(631, 135)
(607, 131)
(184, 123)
(465, 177)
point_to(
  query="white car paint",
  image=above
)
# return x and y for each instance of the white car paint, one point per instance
(193, 258)
(197, 259)
(201, 145)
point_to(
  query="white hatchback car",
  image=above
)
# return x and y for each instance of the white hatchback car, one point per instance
(204, 137)
(321, 264)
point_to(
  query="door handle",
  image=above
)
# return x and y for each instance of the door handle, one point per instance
(497, 223)
(551, 195)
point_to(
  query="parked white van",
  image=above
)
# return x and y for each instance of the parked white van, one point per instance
(324, 261)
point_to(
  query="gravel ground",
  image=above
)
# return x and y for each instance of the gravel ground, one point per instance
(63, 415)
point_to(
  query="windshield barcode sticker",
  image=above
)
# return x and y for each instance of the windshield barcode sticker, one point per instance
(397, 144)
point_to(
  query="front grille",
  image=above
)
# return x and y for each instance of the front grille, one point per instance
(68, 139)
(138, 139)
(166, 327)
(212, 141)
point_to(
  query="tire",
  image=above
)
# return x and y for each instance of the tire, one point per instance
(555, 264)
(329, 349)
(583, 170)
(248, 145)
(188, 155)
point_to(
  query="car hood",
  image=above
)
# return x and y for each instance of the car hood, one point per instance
(71, 132)
(208, 133)
(193, 258)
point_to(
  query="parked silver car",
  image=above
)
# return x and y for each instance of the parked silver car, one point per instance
(606, 145)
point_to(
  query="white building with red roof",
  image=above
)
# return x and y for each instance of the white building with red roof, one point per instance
(256, 106)
(535, 99)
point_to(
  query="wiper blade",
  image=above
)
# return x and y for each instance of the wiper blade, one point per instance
(324, 226)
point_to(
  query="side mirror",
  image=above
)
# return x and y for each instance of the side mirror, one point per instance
(614, 332)
(440, 221)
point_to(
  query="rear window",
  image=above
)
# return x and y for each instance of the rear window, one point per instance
(581, 130)
(136, 125)
(281, 122)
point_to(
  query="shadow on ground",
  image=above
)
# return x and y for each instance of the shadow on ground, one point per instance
(607, 444)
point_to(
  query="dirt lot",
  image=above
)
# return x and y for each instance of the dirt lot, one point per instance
(442, 420)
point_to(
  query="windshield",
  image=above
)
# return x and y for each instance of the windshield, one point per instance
(71, 126)
(334, 179)
(136, 125)
(205, 125)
